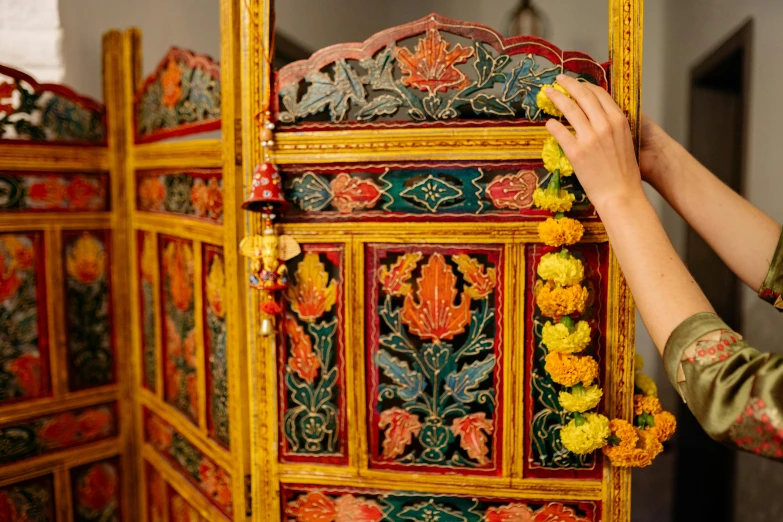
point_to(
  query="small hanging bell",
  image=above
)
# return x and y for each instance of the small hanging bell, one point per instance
(267, 328)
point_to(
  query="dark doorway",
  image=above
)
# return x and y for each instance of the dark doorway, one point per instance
(718, 130)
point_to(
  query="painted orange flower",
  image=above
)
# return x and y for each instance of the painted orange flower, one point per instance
(436, 316)
(81, 192)
(353, 193)
(60, 431)
(93, 423)
(207, 476)
(394, 279)
(513, 191)
(178, 264)
(401, 426)
(216, 287)
(86, 259)
(152, 194)
(159, 434)
(432, 67)
(313, 294)
(303, 360)
(313, 507)
(473, 430)
(49, 194)
(509, 513)
(6, 91)
(482, 281)
(352, 509)
(26, 369)
(98, 488)
(558, 513)
(223, 494)
(171, 82)
(22, 254)
(207, 199)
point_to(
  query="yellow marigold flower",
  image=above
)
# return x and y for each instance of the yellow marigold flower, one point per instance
(559, 232)
(631, 447)
(665, 426)
(545, 104)
(562, 268)
(646, 404)
(581, 398)
(557, 202)
(570, 370)
(558, 337)
(556, 301)
(585, 433)
(555, 159)
(645, 385)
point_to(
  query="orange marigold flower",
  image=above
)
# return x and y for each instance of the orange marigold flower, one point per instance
(665, 425)
(560, 232)
(570, 370)
(556, 301)
(646, 404)
(631, 447)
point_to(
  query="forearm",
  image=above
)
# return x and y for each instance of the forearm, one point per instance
(663, 289)
(742, 235)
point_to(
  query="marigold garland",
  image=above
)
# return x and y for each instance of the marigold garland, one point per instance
(665, 426)
(570, 370)
(646, 404)
(645, 385)
(555, 159)
(562, 268)
(556, 301)
(631, 447)
(561, 201)
(580, 398)
(585, 433)
(561, 231)
(560, 338)
(545, 104)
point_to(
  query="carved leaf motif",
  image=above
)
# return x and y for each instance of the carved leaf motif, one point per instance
(336, 95)
(557, 513)
(432, 67)
(431, 511)
(303, 360)
(312, 507)
(482, 281)
(409, 383)
(514, 191)
(395, 278)
(401, 426)
(313, 294)
(463, 383)
(526, 81)
(485, 103)
(385, 105)
(473, 430)
(380, 70)
(436, 316)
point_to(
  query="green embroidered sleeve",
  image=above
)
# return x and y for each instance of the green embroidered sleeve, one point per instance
(735, 392)
(772, 288)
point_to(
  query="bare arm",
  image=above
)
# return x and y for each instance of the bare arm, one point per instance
(604, 160)
(742, 235)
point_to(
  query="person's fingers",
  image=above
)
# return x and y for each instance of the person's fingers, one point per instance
(586, 99)
(573, 113)
(614, 114)
(563, 136)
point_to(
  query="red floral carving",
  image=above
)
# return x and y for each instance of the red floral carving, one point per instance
(353, 193)
(395, 278)
(436, 316)
(473, 430)
(207, 199)
(60, 431)
(432, 67)
(352, 509)
(481, 280)
(313, 507)
(6, 91)
(93, 423)
(401, 426)
(510, 513)
(514, 191)
(170, 80)
(178, 264)
(158, 434)
(49, 194)
(152, 194)
(557, 513)
(98, 488)
(27, 370)
(303, 360)
(81, 192)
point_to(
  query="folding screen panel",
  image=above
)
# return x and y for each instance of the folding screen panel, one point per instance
(407, 379)
(64, 408)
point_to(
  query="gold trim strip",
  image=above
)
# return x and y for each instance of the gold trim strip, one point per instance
(57, 158)
(55, 220)
(69, 458)
(178, 227)
(72, 401)
(183, 155)
(410, 144)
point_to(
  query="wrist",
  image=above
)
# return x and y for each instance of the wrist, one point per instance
(667, 166)
(620, 206)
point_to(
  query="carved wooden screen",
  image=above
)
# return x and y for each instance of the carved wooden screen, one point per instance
(406, 381)
(63, 317)
(190, 425)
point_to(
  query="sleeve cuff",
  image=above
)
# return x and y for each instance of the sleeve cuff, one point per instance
(772, 288)
(687, 333)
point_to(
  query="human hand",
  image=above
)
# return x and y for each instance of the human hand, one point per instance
(656, 148)
(602, 151)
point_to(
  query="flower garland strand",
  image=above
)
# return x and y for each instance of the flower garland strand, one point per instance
(560, 296)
